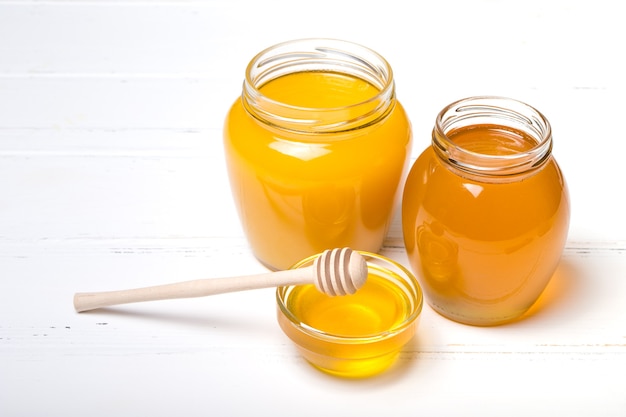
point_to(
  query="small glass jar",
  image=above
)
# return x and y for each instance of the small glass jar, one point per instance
(317, 148)
(485, 211)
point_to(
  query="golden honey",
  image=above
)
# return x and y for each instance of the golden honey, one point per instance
(486, 211)
(358, 335)
(316, 148)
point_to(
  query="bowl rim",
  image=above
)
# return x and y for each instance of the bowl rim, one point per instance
(411, 281)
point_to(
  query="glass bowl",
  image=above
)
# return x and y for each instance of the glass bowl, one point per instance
(353, 336)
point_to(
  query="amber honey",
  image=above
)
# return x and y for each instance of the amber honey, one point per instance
(485, 239)
(316, 155)
(355, 335)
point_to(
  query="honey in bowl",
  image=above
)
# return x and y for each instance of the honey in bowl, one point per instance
(358, 335)
(486, 211)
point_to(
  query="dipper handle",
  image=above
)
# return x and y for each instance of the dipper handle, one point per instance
(335, 272)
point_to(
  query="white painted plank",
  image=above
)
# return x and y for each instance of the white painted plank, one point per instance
(113, 103)
(176, 355)
(177, 188)
(439, 38)
(153, 174)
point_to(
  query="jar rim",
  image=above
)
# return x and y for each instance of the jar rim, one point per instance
(500, 111)
(320, 55)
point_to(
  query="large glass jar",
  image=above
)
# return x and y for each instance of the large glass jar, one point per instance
(317, 148)
(485, 211)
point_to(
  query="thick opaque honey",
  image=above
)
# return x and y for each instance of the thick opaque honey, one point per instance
(316, 158)
(355, 335)
(484, 244)
(375, 308)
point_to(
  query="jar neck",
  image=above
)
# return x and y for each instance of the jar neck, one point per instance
(503, 112)
(318, 55)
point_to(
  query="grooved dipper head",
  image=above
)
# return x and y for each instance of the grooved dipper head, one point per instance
(340, 271)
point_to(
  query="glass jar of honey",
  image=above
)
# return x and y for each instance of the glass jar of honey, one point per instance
(485, 211)
(317, 148)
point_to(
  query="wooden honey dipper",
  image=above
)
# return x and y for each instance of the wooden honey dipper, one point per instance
(334, 272)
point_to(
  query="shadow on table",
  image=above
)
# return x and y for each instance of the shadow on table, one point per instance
(565, 287)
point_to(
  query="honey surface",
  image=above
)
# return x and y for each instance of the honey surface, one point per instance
(484, 251)
(376, 307)
(490, 139)
(299, 194)
(320, 90)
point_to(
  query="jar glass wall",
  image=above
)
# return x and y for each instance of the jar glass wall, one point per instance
(317, 148)
(486, 211)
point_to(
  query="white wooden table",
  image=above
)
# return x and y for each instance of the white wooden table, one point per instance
(112, 176)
